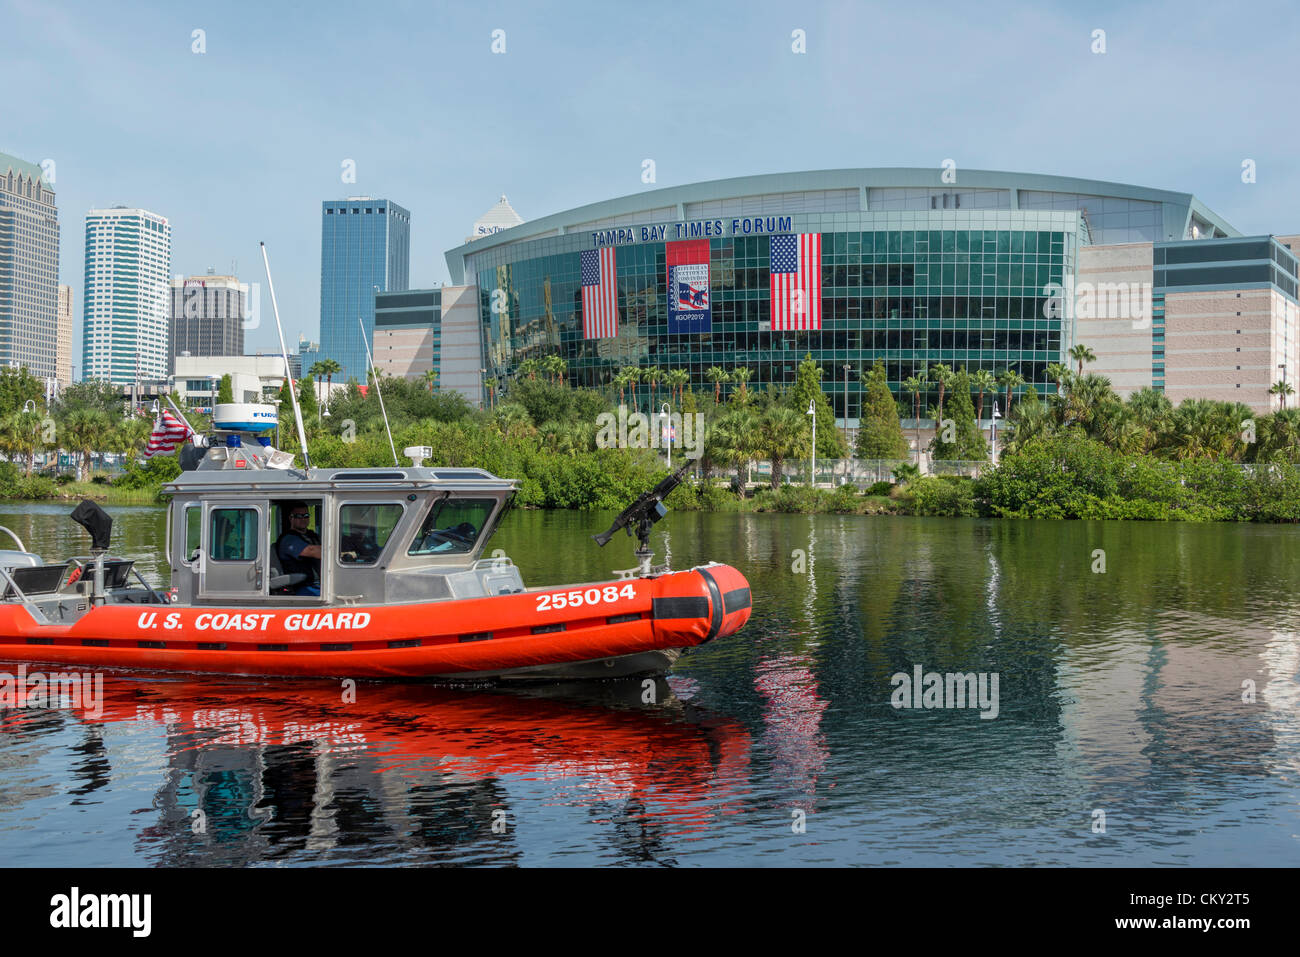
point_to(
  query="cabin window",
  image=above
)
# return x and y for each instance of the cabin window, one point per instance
(233, 534)
(193, 526)
(364, 530)
(453, 526)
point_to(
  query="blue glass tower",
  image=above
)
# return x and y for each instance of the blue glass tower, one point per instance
(365, 243)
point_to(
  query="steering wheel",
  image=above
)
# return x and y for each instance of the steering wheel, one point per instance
(463, 533)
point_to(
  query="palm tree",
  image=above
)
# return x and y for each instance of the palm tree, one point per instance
(651, 375)
(943, 375)
(317, 372)
(430, 376)
(85, 431)
(916, 385)
(1033, 419)
(906, 473)
(1081, 353)
(740, 375)
(330, 368)
(1204, 428)
(513, 421)
(555, 368)
(984, 382)
(528, 368)
(131, 436)
(630, 376)
(1279, 437)
(11, 443)
(717, 375)
(1058, 373)
(679, 379)
(1282, 390)
(783, 433)
(1012, 380)
(734, 439)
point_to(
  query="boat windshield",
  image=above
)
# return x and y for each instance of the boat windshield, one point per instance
(453, 526)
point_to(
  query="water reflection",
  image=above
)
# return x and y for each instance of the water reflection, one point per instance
(257, 773)
(1123, 690)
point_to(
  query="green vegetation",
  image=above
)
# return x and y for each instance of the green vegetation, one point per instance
(880, 436)
(1080, 452)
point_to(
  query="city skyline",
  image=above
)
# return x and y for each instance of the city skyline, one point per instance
(300, 130)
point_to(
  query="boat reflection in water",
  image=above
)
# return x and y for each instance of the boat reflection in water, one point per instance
(410, 773)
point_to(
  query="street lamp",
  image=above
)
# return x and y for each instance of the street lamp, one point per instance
(812, 411)
(847, 369)
(993, 431)
(663, 415)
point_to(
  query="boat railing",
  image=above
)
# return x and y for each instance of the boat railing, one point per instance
(14, 535)
(32, 609)
(87, 563)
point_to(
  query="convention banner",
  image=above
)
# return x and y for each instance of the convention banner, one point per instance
(688, 287)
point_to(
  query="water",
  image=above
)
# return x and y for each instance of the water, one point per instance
(1120, 692)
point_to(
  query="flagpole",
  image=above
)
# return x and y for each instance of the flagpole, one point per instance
(194, 436)
(378, 391)
(284, 352)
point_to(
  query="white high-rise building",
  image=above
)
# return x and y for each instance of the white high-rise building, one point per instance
(29, 267)
(127, 304)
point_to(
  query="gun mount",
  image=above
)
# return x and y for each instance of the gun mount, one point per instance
(642, 515)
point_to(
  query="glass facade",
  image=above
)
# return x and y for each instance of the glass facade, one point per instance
(910, 289)
(365, 246)
(416, 309)
(127, 301)
(1237, 263)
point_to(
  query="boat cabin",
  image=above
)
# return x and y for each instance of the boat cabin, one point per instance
(244, 531)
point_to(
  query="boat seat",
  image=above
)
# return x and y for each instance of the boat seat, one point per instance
(278, 582)
(116, 573)
(36, 580)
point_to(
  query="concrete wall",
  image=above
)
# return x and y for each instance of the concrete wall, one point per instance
(462, 353)
(404, 351)
(1122, 343)
(1228, 345)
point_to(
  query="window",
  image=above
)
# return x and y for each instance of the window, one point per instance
(364, 530)
(453, 526)
(233, 535)
(193, 526)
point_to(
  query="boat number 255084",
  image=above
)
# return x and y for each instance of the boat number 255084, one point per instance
(553, 601)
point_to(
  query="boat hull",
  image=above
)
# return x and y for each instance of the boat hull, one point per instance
(640, 624)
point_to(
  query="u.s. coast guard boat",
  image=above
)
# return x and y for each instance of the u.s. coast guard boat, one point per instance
(400, 587)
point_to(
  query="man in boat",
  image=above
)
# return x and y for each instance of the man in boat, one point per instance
(299, 550)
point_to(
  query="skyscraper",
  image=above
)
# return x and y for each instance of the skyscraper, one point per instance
(128, 261)
(207, 317)
(365, 243)
(63, 339)
(29, 268)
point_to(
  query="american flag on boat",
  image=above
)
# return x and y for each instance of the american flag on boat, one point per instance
(168, 433)
(599, 294)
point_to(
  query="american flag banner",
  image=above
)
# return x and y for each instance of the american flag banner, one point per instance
(599, 295)
(168, 433)
(796, 281)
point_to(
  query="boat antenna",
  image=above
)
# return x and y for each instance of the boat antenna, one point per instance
(378, 391)
(293, 393)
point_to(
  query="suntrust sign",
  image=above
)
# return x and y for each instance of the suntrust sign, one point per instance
(694, 229)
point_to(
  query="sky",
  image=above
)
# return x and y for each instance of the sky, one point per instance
(242, 142)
